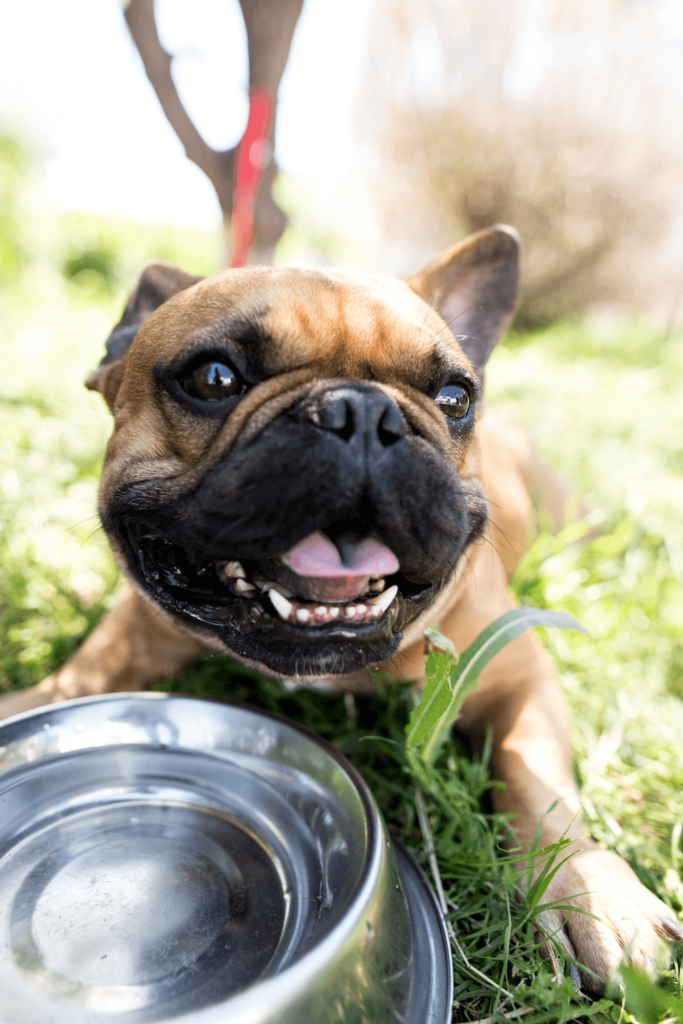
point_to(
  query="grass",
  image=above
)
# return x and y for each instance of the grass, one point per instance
(605, 402)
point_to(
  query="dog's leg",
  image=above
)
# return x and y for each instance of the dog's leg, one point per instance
(521, 701)
(131, 648)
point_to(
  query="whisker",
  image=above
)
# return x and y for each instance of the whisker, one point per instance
(453, 319)
(500, 529)
(35, 551)
(429, 310)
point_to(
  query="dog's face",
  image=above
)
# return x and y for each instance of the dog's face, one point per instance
(293, 466)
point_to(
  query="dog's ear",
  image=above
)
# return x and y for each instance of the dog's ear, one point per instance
(157, 283)
(474, 288)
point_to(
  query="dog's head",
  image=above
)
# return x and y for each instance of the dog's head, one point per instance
(293, 468)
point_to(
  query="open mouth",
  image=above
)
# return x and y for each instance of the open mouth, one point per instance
(321, 589)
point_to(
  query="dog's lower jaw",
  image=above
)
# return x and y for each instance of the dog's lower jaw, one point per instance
(243, 615)
(258, 637)
(247, 626)
(335, 666)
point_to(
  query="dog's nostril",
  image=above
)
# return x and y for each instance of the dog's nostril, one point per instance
(391, 427)
(337, 417)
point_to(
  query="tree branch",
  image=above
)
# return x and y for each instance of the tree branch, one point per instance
(270, 26)
(218, 166)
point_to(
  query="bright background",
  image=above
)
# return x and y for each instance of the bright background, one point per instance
(71, 76)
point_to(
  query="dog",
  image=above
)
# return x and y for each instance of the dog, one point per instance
(303, 475)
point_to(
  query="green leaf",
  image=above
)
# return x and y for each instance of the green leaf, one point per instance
(437, 641)
(436, 698)
(443, 698)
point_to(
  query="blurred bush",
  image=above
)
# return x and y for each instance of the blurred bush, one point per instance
(102, 255)
(557, 117)
(98, 262)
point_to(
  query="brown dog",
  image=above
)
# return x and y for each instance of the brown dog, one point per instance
(297, 476)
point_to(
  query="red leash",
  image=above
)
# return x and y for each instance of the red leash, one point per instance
(252, 156)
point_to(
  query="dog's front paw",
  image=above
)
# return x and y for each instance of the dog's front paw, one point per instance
(630, 917)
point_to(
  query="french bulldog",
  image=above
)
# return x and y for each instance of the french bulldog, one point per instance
(303, 475)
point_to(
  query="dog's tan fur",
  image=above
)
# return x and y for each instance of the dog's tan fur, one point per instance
(334, 325)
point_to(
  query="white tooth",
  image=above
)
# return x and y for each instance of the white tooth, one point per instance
(351, 611)
(303, 615)
(349, 636)
(334, 612)
(231, 569)
(377, 586)
(281, 605)
(259, 580)
(375, 611)
(361, 609)
(243, 587)
(265, 587)
(322, 610)
(384, 600)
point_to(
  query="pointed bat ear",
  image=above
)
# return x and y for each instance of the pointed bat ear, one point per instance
(474, 287)
(157, 283)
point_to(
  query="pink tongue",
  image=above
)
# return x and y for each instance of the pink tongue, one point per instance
(333, 579)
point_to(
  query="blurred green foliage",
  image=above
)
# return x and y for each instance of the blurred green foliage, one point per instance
(101, 257)
(16, 160)
(603, 400)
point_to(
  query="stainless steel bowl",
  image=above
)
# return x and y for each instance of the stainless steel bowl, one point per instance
(166, 857)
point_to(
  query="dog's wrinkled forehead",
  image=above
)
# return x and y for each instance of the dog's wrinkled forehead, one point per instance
(339, 324)
(441, 322)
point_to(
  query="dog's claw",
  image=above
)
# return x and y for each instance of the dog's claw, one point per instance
(575, 976)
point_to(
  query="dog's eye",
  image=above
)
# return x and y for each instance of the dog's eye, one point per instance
(212, 381)
(454, 400)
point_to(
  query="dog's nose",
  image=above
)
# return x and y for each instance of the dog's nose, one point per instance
(351, 413)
